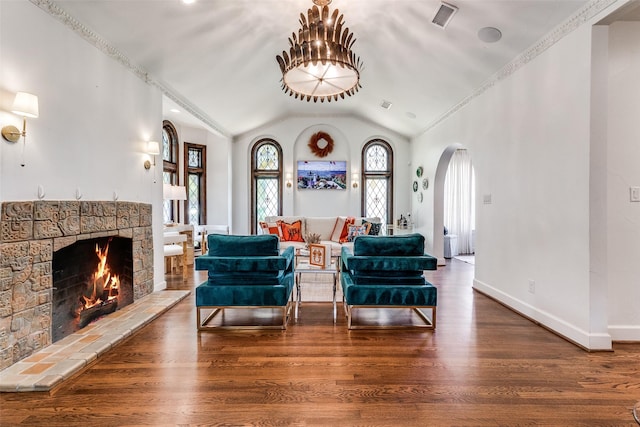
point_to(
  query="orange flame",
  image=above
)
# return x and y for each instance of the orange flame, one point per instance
(105, 285)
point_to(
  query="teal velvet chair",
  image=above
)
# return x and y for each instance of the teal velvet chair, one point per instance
(387, 272)
(244, 272)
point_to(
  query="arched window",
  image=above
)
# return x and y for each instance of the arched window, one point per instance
(169, 167)
(266, 181)
(377, 181)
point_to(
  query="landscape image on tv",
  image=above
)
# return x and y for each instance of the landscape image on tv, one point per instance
(322, 174)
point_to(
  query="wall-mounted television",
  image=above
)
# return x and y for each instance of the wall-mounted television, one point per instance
(322, 174)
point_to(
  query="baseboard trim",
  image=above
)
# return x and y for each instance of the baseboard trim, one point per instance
(576, 336)
(624, 333)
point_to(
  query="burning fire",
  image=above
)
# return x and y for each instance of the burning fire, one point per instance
(105, 285)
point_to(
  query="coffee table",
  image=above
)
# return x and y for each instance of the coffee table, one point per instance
(303, 267)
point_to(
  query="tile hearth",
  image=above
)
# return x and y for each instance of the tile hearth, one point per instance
(49, 367)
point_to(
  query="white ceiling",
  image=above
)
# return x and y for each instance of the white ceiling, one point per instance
(218, 56)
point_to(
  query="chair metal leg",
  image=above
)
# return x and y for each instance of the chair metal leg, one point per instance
(429, 323)
(202, 325)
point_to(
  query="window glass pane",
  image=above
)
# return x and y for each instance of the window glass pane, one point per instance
(376, 159)
(376, 199)
(267, 198)
(267, 158)
(166, 145)
(193, 197)
(166, 204)
(195, 158)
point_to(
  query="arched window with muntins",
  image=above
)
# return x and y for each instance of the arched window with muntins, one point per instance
(169, 167)
(377, 181)
(266, 181)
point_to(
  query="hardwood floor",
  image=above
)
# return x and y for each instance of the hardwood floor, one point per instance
(484, 366)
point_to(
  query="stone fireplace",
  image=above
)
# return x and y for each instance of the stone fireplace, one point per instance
(31, 232)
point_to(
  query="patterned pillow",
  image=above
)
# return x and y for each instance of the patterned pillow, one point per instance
(374, 227)
(271, 228)
(291, 232)
(341, 229)
(357, 230)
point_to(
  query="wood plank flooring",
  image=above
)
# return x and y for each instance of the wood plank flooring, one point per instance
(483, 366)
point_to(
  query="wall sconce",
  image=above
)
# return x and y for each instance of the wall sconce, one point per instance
(288, 178)
(354, 180)
(153, 148)
(25, 105)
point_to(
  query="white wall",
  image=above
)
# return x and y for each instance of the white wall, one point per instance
(95, 118)
(218, 171)
(623, 171)
(349, 135)
(529, 137)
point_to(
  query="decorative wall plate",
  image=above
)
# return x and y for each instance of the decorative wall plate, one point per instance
(420, 197)
(415, 186)
(425, 183)
(419, 171)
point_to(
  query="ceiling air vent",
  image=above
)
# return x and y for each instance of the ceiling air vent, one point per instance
(444, 15)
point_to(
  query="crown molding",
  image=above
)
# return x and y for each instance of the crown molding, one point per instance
(579, 18)
(55, 11)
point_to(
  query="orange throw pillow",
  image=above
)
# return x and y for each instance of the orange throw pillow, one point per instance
(291, 232)
(341, 229)
(345, 229)
(271, 228)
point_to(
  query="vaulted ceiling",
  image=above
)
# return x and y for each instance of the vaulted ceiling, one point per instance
(216, 58)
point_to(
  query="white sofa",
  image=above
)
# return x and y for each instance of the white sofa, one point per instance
(324, 226)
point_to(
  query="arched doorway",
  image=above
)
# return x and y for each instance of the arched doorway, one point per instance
(457, 197)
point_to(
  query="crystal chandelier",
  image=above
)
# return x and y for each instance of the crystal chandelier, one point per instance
(320, 64)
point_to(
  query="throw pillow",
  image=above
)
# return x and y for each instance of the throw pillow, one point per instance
(345, 230)
(374, 227)
(291, 232)
(271, 228)
(340, 229)
(357, 230)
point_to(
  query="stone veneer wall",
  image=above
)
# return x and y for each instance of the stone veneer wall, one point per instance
(30, 232)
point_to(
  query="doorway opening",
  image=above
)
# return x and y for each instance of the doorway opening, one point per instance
(454, 206)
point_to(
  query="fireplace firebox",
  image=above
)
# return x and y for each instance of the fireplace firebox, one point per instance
(91, 279)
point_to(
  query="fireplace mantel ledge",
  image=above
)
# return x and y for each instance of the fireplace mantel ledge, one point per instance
(49, 367)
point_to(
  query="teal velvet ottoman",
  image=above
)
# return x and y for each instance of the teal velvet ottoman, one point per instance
(244, 272)
(387, 272)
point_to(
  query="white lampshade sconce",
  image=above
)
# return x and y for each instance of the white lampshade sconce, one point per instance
(25, 105)
(288, 179)
(354, 180)
(153, 148)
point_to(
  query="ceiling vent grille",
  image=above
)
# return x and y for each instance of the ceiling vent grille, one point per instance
(444, 15)
(385, 104)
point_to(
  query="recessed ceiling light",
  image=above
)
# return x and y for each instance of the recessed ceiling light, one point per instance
(188, 1)
(489, 34)
(386, 104)
(410, 115)
(174, 110)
